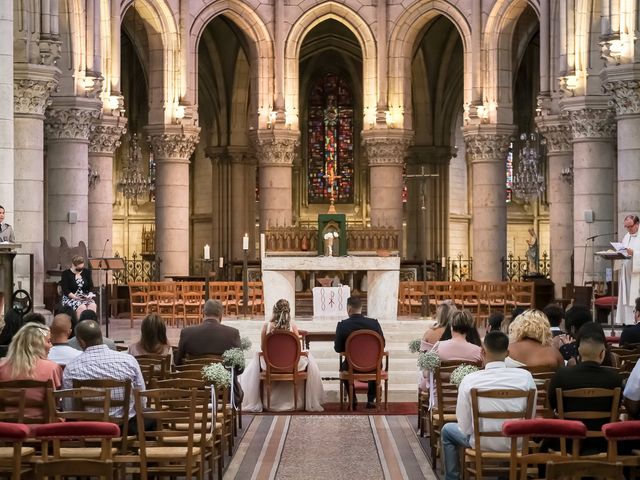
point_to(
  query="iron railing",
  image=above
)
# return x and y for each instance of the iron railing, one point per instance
(459, 269)
(515, 269)
(137, 269)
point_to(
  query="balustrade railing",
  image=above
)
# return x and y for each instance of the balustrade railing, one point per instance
(459, 269)
(516, 269)
(137, 269)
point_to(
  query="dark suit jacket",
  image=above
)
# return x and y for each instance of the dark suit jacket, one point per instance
(208, 338)
(353, 323)
(585, 375)
(630, 334)
(68, 281)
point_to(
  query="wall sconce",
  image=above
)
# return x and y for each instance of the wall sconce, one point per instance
(567, 175)
(94, 177)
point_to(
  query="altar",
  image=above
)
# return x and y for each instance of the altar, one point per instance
(383, 280)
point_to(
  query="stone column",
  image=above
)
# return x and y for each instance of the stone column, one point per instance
(486, 150)
(32, 86)
(557, 134)
(172, 148)
(593, 132)
(275, 154)
(104, 141)
(386, 151)
(69, 123)
(242, 199)
(623, 84)
(6, 112)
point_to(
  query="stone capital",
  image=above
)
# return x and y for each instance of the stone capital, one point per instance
(592, 124)
(177, 145)
(276, 150)
(625, 96)
(557, 133)
(106, 136)
(32, 88)
(487, 144)
(387, 147)
(71, 120)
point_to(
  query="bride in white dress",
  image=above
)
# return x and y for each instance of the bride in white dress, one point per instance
(281, 392)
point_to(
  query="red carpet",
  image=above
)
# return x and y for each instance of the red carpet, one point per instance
(394, 408)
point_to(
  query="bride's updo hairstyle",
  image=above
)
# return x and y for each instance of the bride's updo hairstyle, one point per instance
(281, 315)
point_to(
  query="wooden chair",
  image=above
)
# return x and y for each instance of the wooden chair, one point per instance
(170, 406)
(160, 365)
(29, 410)
(476, 459)
(12, 452)
(524, 431)
(521, 294)
(73, 468)
(437, 292)
(628, 430)
(282, 354)
(61, 433)
(584, 469)
(192, 303)
(364, 351)
(256, 298)
(542, 376)
(138, 300)
(496, 297)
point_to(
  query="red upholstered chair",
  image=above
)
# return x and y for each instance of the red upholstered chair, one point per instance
(575, 469)
(619, 431)
(282, 352)
(524, 430)
(363, 353)
(11, 457)
(60, 432)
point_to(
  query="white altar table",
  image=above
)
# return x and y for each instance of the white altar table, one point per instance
(330, 301)
(383, 280)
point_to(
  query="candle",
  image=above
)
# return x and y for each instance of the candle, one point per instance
(245, 242)
(221, 262)
(443, 262)
(207, 252)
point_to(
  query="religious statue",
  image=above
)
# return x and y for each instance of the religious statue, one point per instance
(329, 237)
(532, 252)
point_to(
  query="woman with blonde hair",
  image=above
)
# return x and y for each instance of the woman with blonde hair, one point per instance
(282, 392)
(444, 312)
(27, 360)
(153, 337)
(530, 342)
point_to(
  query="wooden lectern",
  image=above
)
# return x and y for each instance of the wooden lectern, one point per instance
(612, 255)
(104, 265)
(7, 254)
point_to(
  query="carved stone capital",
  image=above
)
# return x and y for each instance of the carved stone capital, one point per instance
(174, 145)
(557, 134)
(386, 149)
(486, 145)
(625, 96)
(32, 97)
(592, 123)
(70, 123)
(276, 151)
(106, 137)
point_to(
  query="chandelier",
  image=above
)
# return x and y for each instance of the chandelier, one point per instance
(528, 182)
(133, 182)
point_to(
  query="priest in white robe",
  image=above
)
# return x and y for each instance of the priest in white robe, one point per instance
(629, 279)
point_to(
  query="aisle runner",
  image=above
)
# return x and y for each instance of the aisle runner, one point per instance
(336, 447)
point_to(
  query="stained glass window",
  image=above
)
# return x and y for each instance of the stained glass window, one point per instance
(509, 167)
(330, 140)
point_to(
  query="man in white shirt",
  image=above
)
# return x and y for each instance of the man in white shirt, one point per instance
(629, 280)
(61, 353)
(495, 376)
(632, 393)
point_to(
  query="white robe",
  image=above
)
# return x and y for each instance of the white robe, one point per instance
(629, 281)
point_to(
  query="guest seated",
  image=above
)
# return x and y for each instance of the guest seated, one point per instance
(27, 360)
(443, 315)
(35, 318)
(93, 316)
(611, 359)
(555, 315)
(495, 376)
(77, 286)
(153, 337)
(60, 352)
(530, 342)
(588, 373)
(632, 393)
(631, 333)
(281, 392)
(495, 321)
(13, 321)
(465, 340)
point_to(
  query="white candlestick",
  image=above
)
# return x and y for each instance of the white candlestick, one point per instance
(444, 261)
(221, 262)
(245, 242)
(207, 252)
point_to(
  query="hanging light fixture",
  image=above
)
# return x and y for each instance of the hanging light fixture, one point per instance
(133, 182)
(528, 182)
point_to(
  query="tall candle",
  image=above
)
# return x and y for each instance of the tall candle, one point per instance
(443, 261)
(207, 252)
(221, 262)
(245, 242)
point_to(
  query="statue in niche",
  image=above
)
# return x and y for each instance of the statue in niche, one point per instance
(532, 252)
(329, 238)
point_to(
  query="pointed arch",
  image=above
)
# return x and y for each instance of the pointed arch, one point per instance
(316, 15)
(402, 43)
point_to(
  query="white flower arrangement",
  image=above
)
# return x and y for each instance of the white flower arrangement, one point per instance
(217, 374)
(414, 345)
(462, 371)
(234, 357)
(245, 343)
(428, 361)
(329, 235)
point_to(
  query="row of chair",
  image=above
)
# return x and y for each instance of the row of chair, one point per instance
(183, 301)
(479, 297)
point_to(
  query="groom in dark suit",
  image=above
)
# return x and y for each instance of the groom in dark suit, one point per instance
(356, 321)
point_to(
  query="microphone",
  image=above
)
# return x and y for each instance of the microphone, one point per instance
(593, 237)
(103, 250)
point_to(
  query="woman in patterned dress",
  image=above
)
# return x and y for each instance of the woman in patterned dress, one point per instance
(77, 287)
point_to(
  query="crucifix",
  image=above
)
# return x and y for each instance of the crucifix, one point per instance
(423, 177)
(332, 177)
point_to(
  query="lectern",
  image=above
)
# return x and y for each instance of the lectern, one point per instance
(612, 255)
(7, 254)
(104, 265)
